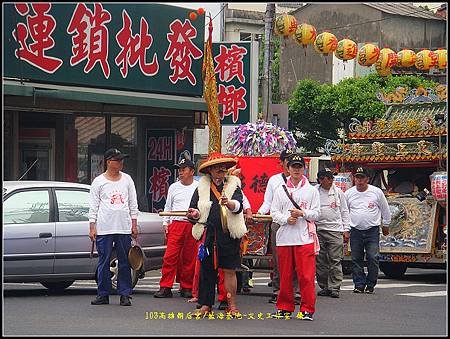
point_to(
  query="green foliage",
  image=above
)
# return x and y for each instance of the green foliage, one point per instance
(317, 111)
(275, 66)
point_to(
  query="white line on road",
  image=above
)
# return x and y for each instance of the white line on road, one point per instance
(426, 294)
(393, 285)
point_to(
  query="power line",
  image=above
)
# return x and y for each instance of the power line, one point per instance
(223, 7)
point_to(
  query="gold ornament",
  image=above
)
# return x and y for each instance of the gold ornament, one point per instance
(401, 150)
(378, 148)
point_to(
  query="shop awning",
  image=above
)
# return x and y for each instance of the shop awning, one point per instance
(28, 89)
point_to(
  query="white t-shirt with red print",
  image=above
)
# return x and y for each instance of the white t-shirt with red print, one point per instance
(307, 197)
(113, 204)
(367, 209)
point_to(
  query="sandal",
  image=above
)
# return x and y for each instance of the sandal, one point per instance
(202, 311)
(233, 310)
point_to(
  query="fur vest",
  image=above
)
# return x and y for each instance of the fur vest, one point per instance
(236, 224)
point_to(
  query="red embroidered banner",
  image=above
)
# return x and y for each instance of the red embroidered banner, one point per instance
(255, 173)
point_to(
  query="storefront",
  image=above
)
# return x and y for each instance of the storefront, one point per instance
(81, 78)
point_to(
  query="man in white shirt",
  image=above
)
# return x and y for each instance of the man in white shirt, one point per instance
(113, 212)
(368, 208)
(332, 229)
(181, 245)
(276, 181)
(295, 206)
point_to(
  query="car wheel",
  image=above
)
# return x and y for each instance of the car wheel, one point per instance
(114, 269)
(393, 270)
(57, 286)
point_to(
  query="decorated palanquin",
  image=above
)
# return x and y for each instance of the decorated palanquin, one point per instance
(405, 150)
(410, 131)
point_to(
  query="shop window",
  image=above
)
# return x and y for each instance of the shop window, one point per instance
(123, 137)
(91, 147)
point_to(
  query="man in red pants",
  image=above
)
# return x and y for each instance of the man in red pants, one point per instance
(181, 245)
(295, 207)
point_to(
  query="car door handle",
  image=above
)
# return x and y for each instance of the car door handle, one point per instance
(45, 235)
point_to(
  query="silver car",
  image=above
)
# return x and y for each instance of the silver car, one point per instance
(45, 235)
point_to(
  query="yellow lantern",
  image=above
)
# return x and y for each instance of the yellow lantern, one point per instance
(387, 58)
(325, 43)
(285, 25)
(368, 55)
(441, 58)
(346, 50)
(406, 58)
(384, 72)
(426, 59)
(305, 34)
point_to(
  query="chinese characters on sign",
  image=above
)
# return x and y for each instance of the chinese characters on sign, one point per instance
(232, 66)
(160, 160)
(164, 149)
(40, 27)
(153, 46)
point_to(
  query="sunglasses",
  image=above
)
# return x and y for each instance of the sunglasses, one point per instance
(219, 168)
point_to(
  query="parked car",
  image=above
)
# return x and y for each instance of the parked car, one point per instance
(45, 235)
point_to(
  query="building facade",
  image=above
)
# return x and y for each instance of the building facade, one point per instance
(395, 25)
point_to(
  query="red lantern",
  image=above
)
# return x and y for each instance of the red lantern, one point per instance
(346, 50)
(193, 16)
(368, 55)
(305, 34)
(426, 59)
(285, 25)
(406, 58)
(441, 58)
(325, 43)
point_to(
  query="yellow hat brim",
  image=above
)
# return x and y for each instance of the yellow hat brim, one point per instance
(227, 162)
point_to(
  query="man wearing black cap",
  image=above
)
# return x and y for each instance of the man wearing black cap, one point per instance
(332, 229)
(181, 245)
(113, 212)
(274, 182)
(368, 209)
(295, 207)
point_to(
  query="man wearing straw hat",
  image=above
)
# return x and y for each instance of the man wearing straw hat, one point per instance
(216, 207)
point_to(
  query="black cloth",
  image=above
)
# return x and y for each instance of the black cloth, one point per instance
(228, 249)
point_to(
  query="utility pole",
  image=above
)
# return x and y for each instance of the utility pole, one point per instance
(266, 83)
(223, 8)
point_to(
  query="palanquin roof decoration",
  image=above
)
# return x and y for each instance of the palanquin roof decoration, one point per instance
(410, 130)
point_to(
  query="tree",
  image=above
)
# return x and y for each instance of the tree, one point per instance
(318, 111)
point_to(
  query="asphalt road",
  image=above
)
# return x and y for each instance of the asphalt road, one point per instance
(413, 306)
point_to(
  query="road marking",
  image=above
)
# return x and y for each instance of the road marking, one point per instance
(394, 285)
(426, 294)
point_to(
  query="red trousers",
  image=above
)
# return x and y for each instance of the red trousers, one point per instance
(222, 293)
(303, 259)
(181, 251)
